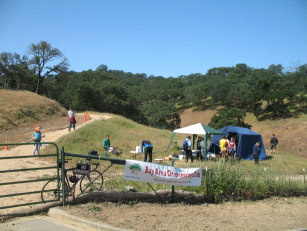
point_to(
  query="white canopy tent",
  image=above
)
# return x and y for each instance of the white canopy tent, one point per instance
(196, 129)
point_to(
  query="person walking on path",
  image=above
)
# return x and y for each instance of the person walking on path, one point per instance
(256, 152)
(37, 136)
(147, 148)
(106, 143)
(72, 120)
(187, 147)
(273, 144)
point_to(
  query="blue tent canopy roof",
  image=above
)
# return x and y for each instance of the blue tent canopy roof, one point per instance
(245, 143)
(238, 130)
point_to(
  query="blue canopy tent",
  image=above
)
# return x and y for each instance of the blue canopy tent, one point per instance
(245, 143)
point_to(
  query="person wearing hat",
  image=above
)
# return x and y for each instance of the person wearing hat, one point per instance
(37, 136)
(187, 148)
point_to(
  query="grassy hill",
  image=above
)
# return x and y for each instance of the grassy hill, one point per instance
(291, 132)
(127, 134)
(241, 179)
(124, 134)
(26, 109)
(20, 111)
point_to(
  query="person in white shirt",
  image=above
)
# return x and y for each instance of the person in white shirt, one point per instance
(72, 120)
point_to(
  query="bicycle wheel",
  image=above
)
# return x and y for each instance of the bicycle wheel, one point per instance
(92, 182)
(50, 191)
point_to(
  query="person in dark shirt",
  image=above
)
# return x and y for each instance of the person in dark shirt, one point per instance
(187, 148)
(147, 147)
(273, 144)
(256, 152)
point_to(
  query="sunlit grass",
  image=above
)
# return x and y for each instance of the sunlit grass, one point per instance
(228, 179)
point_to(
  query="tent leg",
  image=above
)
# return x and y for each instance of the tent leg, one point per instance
(205, 151)
(170, 142)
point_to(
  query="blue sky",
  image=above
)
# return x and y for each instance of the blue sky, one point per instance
(160, 37)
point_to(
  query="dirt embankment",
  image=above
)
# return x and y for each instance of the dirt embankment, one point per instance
(20, 111)
(271, 214)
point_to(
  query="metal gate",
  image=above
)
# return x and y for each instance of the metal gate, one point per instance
(21, 182)
(82, 156)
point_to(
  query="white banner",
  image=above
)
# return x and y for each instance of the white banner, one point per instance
(162, 174)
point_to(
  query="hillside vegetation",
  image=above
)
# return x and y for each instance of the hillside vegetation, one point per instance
(268, 93)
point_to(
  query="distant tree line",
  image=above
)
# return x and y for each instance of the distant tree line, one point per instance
(154, 100)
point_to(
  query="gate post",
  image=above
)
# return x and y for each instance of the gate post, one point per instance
(63, 175)
(173, 188)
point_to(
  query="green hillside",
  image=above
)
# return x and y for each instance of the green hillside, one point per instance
(124, 134)
(231, 178)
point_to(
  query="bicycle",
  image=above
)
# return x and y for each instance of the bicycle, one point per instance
(92, 181)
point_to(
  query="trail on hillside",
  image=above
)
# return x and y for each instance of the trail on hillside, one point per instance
(23, 150)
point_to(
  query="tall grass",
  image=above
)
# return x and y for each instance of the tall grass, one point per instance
(226, 182)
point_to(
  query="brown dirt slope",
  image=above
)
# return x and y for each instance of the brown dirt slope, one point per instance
(291, 132)
(20, 111)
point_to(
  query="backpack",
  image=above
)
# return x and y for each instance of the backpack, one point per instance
(185, 145)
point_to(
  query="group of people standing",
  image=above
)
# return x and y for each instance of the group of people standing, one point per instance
(187, 148)
(228, 147)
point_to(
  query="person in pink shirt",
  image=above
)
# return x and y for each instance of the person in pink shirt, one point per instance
(232, 148)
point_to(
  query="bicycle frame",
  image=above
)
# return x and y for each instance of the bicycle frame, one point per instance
(71, 186)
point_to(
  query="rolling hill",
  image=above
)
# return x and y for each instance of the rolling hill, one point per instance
(291, 132)
(20, 111)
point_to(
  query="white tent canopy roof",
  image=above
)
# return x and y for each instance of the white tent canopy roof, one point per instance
(198, 128)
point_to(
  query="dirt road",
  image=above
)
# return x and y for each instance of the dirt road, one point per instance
(30, 163)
